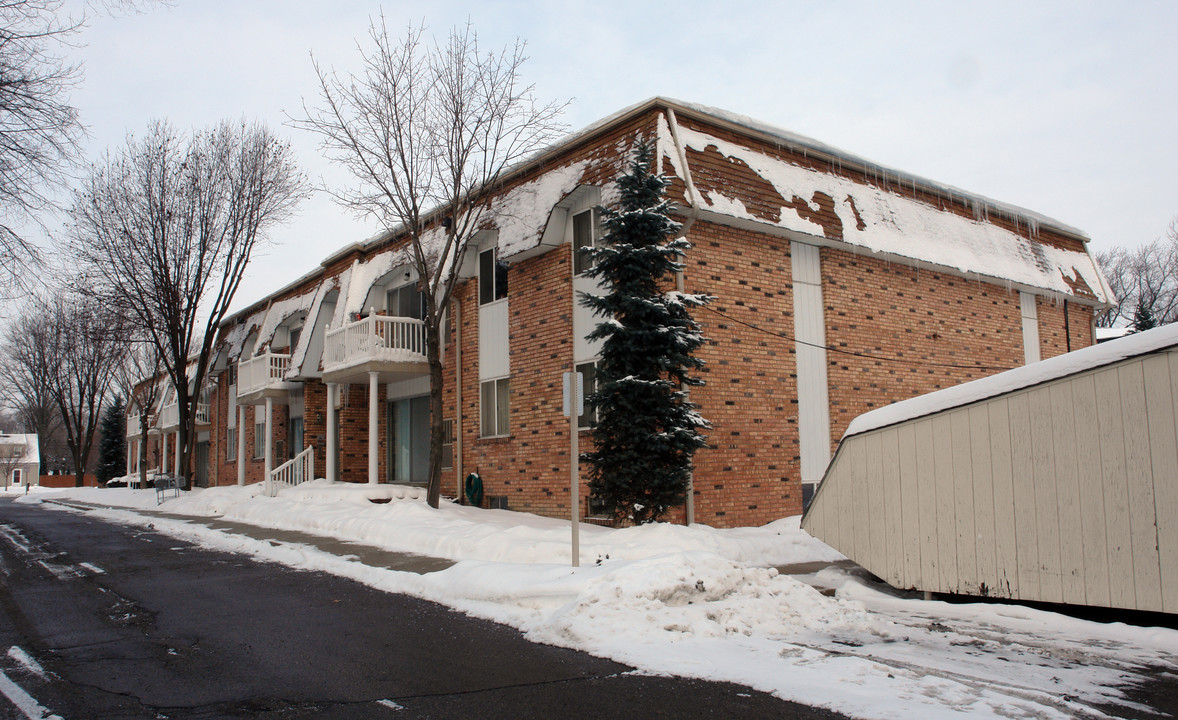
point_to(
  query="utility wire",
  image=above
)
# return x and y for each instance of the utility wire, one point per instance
(833, 349)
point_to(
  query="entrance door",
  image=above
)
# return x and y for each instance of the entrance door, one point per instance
(294, 437)
(408, 444)
(202, 464)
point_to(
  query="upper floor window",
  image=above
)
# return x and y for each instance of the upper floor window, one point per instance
(406, 301)
(586, 234)
(492, 277)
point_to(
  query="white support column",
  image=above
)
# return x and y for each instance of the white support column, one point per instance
(130, 448)
(269, 437)
(373, 441)
(241, 444)
(178, 472)
(332, 432)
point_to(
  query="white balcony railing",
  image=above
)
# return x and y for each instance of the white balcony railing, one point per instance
(134, 427)
(169, 417)
(375, 338)
(262, 372)
(298, 469)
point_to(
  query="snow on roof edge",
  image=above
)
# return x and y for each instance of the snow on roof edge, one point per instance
(790, 137)
(1071, 363)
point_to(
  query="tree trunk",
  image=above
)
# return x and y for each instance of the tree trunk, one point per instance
(436, 386)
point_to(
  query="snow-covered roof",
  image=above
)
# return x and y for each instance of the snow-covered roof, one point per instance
(873, 217)
(29, 444)
(1060, 366)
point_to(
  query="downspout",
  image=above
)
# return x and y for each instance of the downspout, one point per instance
(1067, 327)
(692, 198)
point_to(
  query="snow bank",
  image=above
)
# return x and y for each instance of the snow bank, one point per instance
(697, 602)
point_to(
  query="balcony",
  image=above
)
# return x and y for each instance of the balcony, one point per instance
(169, 417)
(394, 347)
(262, 376)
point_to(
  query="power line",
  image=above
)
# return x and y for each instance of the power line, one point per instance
(833, 349)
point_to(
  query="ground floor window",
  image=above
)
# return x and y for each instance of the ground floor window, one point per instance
(259, 440)
(588, 419)
(495, 396)
(16, 476)
(447, 444)
(231, 444)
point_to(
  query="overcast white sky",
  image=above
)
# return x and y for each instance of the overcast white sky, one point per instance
(1065, 108)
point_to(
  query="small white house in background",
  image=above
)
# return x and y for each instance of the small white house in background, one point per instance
(20, 460)
(1054, 482)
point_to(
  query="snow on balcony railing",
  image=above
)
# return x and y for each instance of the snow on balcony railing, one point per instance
(261, 372)
(375, 338)
(134, 427)
(298, 469)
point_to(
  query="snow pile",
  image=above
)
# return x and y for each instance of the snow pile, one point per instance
(695, 601)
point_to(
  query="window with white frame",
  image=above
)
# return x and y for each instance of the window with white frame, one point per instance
(16, 476)
(231, 444)
(406, 301)
(585, 235)
(588, 419)
(492, 277)
(259, 432)
(447, 444)
(495, 397)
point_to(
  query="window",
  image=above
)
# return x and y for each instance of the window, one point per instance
(407, 302)
(16, 476)
(231, 444)
(294, 337)
(447, 444)
(495, 394)
(492, 277)
(585, 235)
(588, 419)
(259, 440)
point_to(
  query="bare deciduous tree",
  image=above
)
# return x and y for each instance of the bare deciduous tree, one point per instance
(137, 379)
(1143, 280)
(428, 130)
(70, 345)
(39, 128)
(165, 227)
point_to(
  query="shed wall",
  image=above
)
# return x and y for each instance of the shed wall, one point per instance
(1063, 492)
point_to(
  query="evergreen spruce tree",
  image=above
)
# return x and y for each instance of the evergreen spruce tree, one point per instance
(647, 429)
(112, 447)
(1143, 318)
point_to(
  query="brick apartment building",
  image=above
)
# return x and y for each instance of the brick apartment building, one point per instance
(840, 286)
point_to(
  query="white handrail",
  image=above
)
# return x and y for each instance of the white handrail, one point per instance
(258, 373)
(298, 469)
(376, 337)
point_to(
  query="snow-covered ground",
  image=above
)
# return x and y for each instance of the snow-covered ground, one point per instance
(695, 601)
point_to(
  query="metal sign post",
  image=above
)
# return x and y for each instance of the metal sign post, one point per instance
(574, 407)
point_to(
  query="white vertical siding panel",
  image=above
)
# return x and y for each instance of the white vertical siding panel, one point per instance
(1142, 513)
(963, 510)
(926, 483)
(810, 332)
(910, 517)
(1159, 398)
(1119, 543)
(1005, 498)
(983, 498)
(1067, 489)
(847, 493)
(862, 511)
(1030, 316)
(873, 474)
(1091, 490)
(1166, 489)
(1046, 499)
(1027, 549)
(946, 503)
(893, 529)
